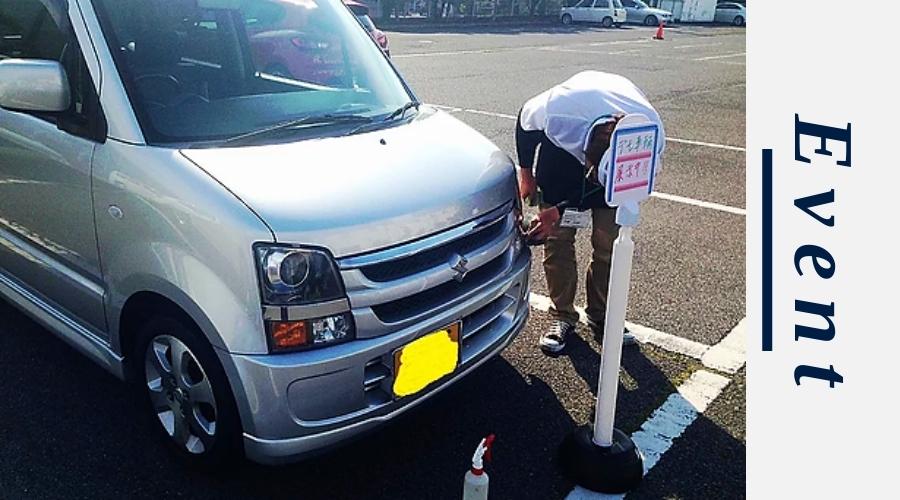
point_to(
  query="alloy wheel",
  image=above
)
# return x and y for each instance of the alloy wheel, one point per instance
(180, 394)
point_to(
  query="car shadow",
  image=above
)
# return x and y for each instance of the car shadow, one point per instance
(70, 429)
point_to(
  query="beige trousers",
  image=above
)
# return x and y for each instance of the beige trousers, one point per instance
(562, 272)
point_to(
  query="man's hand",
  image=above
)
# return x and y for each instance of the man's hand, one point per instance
(527, 184)
(544, 225)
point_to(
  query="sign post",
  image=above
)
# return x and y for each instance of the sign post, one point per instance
(601, 457)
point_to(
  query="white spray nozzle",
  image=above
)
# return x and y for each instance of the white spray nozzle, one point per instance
(483, 452)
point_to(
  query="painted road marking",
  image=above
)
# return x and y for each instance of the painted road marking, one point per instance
(453, 109)
(730, 353)
(668, 422)
(699, 203)
(727, 356)
(618, 42)
(707, 144)
(724, 56)
(643, 334)
(679, 47)
(655, 194)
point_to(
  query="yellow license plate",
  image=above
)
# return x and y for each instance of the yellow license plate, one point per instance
(426, 360)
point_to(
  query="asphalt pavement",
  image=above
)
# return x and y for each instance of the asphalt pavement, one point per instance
(69, 430)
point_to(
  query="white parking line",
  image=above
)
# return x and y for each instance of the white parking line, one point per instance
(730, 353)
(727, 356)
(724, 56)
(667, 423)
(643, 334)
(627, 51)
(513, 117)
(679, 47)
(618, 42)
(655, 194)
(699, 203)
(707, 144)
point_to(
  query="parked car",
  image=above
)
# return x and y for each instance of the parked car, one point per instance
(277, 264)
(362, 13)
(731, 13)
(286, 39)
(606, 12)
(639, 12)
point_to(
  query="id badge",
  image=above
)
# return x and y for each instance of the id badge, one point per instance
(575, 218)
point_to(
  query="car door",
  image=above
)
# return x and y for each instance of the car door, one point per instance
(724, 13)
(601, 9)
(631, 11)
(581, 11)
(48, 244)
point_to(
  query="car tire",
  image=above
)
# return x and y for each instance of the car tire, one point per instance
(567, 19)
(738, 21)
(607, 22)
(651, 21)
(189, 404)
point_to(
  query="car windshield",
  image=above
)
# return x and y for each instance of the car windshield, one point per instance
(641, 5)
(208, 70)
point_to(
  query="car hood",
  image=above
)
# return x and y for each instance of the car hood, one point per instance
(357, 193)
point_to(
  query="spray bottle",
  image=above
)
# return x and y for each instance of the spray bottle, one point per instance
(475, 482)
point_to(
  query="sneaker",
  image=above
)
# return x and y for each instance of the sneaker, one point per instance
(554, 339)
(597, 327)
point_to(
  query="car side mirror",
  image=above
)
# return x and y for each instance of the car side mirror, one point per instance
(33, 85)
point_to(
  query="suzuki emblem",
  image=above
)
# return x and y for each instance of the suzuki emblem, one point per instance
(458, 263)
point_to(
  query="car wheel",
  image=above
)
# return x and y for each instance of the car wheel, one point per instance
(607, 22)
(651, 21)
(738, 21)
(186, 393)
(566, 19)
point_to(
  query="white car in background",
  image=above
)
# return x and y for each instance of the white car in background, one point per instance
(731, 13)
(606, 12)
(639, 12)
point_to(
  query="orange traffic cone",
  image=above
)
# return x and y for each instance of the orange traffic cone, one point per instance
(659, 32)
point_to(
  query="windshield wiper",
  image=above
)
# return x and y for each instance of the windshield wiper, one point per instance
(312, 120)
(402, 109)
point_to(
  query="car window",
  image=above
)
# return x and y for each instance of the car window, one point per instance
(629, 3)
(210, 70)
(27, 31)
(366, 22)
(617, 4)
(601, 4)
(726, 6)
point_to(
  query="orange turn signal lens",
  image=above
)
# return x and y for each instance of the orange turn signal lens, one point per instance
(288, 334)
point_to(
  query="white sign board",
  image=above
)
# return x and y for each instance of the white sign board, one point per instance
(633, 158)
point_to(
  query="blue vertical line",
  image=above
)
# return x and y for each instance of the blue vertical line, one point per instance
(767, 250)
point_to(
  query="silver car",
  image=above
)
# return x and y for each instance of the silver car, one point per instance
(240, 206)
(731, 13)
(606, 12)
(641, 13)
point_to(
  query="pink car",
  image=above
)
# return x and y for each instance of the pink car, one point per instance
(362, 13)
(287, 41)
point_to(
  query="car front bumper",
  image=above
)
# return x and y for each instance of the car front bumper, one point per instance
(295, 404)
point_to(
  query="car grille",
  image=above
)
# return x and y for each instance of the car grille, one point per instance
(433, 298)
(422, 261)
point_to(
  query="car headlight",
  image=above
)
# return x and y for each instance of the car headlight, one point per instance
(297, 276)
(303, 298)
